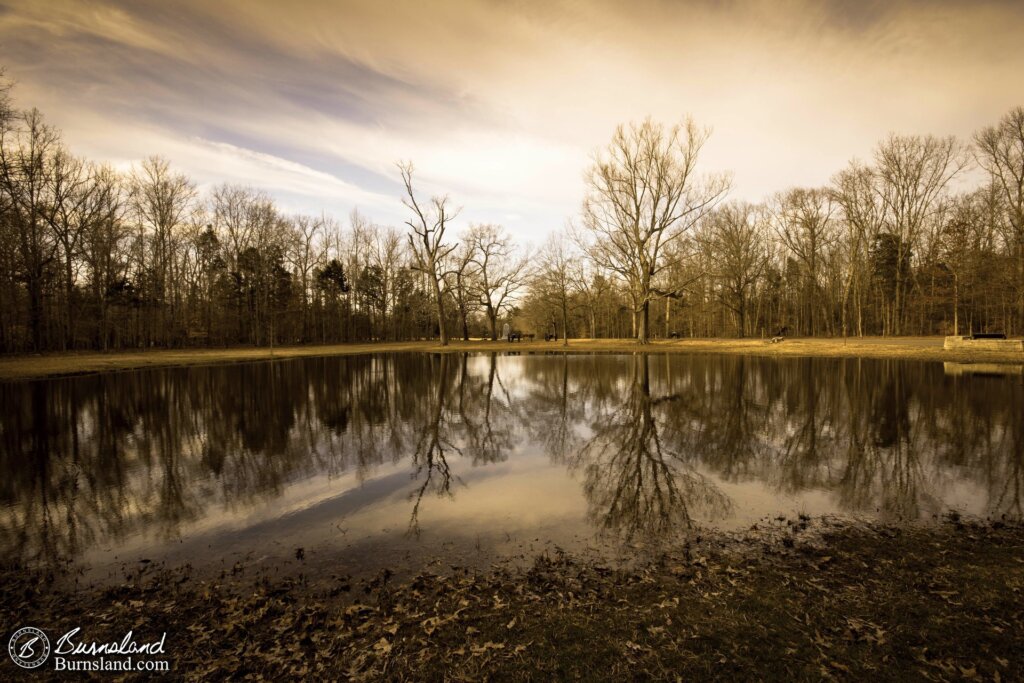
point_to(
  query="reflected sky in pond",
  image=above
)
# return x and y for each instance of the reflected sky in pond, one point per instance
(368, 461)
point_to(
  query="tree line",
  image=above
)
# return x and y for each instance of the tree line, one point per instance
(926, 237)
(93, 257)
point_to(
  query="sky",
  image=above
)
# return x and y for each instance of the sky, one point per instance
(501, 105)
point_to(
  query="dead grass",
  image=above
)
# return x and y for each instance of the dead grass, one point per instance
(909, 348)
(799, 601)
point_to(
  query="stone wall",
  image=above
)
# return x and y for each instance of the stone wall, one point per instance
(962, 343)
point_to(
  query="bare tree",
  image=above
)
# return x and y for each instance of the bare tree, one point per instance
(1000, 151)
(161, 199)
(463, 275)
(957, 245)
(429, 249)
(387, 257)
(552, 279)
(733, 233)
(27, 145)
(644, 193)
(232, 213)
(67, 215)
(864, 215)
(805, 226)
(102, 245)
(593, 288)
(302, 254)
(913, 172)
(500, 271)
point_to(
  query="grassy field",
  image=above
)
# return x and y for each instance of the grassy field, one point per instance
(796, 599)
(911, 348)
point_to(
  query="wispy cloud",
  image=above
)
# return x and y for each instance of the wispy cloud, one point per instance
(500, 104)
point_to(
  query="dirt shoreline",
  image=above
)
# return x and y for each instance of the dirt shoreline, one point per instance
(906, 348)
(801, 600)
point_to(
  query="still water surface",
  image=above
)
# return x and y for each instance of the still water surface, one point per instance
(373, 461)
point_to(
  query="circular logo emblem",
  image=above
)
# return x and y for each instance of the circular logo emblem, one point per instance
(29, 647)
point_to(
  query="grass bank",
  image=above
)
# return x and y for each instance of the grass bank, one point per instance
(911, 348)
(797, 601)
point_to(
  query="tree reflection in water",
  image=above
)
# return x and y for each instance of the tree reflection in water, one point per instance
(636, 482)
(654, 439)
(436, 442)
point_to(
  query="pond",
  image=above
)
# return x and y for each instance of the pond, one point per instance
(355, 463)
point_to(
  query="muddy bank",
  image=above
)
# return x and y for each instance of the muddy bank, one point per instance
(797, 599)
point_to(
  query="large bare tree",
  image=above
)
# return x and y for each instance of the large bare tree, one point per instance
(643, 193)
(430, 251)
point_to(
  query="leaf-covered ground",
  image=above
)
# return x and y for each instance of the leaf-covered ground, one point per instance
(797, 601)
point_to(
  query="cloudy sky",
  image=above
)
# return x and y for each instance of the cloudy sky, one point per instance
(500, 104)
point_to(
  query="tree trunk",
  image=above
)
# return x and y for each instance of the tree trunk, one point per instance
(645, 318)
(492, 318)
(956, 305)
(35, 310)
(69, 318)
(565, 321)
(441, 332)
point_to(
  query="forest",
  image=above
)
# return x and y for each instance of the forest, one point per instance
(924, 237)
